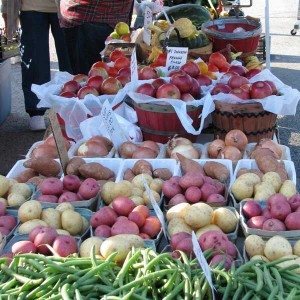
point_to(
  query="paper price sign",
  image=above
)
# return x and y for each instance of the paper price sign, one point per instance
(202, 261)
(176, 57)
(112, 126)
(156, 208)
(148, 19)
(134, 66)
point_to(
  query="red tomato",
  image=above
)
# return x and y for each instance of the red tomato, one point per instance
(217, 59)
(114, 55)
(100, 64)
(122, 62)
(212, 67)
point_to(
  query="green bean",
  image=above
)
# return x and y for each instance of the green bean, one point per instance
(277, 278)
(186, 262)
(248, 295)
(175, 291)
(156, 260)
(276, 262)
(95, 287)
(31, 273)
(268, 278)
(238, 292)
(197, 290)
(259, 278)
(288, 283)
(78, 295)
(36, 264)
(246, 266)
(64, 291)
(273, 293)
(169, 283)
(8, 285)
(292, 294)
(291, 276)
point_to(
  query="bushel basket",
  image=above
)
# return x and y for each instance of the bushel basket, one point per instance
(160, 122)
(251, 118)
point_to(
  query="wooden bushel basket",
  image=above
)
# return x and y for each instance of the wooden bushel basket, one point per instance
(251, 118)
(160, 122)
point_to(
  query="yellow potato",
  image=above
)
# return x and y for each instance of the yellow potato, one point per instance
(71, 221)
(199, 215)
(138, 180)
(106, 190)
(87, 245)
(4, 185)
(4, 201)
(263, 190)
(225, 219)
(176, 225)
(156, 185)
(288, 188)
(146, 197)
(177, 211)
(122, 188)
(277, 247)
(62, 232)
(52, 217)
(137, 200)
(242, 189)
(274, 179)
(15, 199)
(254, 245)
(296, 248)
(64, 206)
(137, 191)
(26, 227)
(20, 188)
(250, 177)
(30, 210)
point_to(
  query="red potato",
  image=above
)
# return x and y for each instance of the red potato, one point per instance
(171, 188)
(175, 179)
(191, 179)
(216, 259)
(89, 188)
(65, 245)
(193, 194)
(294, 202)
(251, 209)
(219, 186)
(144, 236)
(71, 183)
(206, 190)
(185, 245)
(45, 236)
(177, 237)
(124, 226)
(137, 217)
(34, 232)
(256, 222)
(2, 209)
(103, 231)
(279, 208)
(292, 221)
(179, 198)
(266, 213)
(8, 222)
(274, 199)
(68, 197)
(104, 216)
(216, 198)
(22, 247)
(274, 225)
(4, 230)
(48, 198)
(123, 206)
(142, 209)
(214, 239)
(231, 249)
(152, 227)
(51, 186)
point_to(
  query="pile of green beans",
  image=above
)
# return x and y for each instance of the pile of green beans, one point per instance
(257, 279)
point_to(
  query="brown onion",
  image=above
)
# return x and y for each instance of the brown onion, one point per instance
(152, 145)
(236, 138)
(144, 152)
(103, 140)
(51, 141)
(44, 150)
(126, 149)
(188, 151)
(230, 152)
(215, 147)
(176, 141)
(270, 144)
(92, 149)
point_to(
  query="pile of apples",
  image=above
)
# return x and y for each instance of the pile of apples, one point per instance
(121, 32)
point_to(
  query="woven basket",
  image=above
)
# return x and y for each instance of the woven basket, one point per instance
(160, 122)
(251, 118)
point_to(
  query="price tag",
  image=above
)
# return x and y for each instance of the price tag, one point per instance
(134, 67)
(202, 261)
(176, 57)
(148, 19)
(112, 126)
(156, 208)
(59, 140)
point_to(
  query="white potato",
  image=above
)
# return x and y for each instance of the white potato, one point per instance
(254, 245)
(146, 197)
(274, 179)
(121, 188)
(137, 200)
(52, 217)
(26, 227)
(20, 188)
(71, 221)
(277, 247)
(64, 206)
(177, 211)
(15, 199)
(198, 215)
(156, 185)
(30, 210)
(288, 188)
(250, 177)
(138, 180)
(4, 185)
(87, 245)
(225, 219)
(242, 189)
(176, 225)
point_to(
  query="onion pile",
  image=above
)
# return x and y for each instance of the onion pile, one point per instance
(183, 146)
(97, 146)
(147, 149)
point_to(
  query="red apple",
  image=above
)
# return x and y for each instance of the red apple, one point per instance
(191, 68)
(168, 90)
(246, 87)
(273, 86)
(123, 79)
(225, 77)
(182, 81)
(112, 72)
(242, 94)
(146, 89)
(221, 88)
(98, 71)
(158, 82)
(111, 86)
(125, 71)
(252, 73)
(260, 90)
(95, 82)
(195, 91)
(240, 70)
(100, 64)
(115, 54)
(80, 78)
(187, 97)
(176, 72)
(148, 73)
(204, 80)
(65, 245)
(71, 86)
(86, 90)
(68, 94)
(236, 81)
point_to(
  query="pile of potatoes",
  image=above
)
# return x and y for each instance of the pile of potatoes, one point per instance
(200, 217)
(13, 193)
(8, 222)
(260, 186)
(272, 249)
(63, 218)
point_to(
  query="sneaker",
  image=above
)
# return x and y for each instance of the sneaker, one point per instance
(37, 123)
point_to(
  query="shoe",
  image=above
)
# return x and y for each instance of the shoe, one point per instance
(37, 123)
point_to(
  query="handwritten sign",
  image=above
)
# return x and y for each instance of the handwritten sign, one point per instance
(112, 126)
(202, 261)
(148, 19)
(134, 67)
(176, 57)
(156, 208)
(59, 140)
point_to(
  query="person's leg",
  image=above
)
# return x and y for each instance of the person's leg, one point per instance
(71, 40)
(91, 41)
(60, 44)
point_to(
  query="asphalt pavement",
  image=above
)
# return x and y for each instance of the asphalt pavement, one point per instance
(16, 137)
